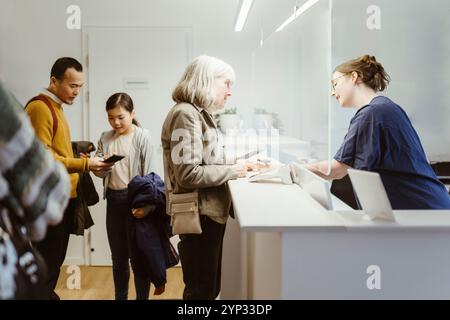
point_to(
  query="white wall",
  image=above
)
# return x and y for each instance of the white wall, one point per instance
(33, 35)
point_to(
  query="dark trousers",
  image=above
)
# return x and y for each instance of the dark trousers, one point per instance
(118, 215)
(201, 259)
(53, 248)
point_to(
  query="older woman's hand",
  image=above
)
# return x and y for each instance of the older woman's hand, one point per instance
(245, 167)
(241, 169)
(258, 166)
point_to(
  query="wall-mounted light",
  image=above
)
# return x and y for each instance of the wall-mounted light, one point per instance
(298, 11)
(244, 9)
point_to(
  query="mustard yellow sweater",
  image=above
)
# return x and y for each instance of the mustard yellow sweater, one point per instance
(61, 146)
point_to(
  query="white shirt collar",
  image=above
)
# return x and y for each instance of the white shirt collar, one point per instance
(52, 96)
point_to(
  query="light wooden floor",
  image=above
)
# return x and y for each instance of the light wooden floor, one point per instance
(97, 284)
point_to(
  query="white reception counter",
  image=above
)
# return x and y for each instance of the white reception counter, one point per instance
(284, 245)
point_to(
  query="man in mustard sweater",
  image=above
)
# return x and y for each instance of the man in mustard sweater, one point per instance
(51, 127)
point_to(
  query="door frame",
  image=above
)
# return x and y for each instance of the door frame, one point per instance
(85, 31)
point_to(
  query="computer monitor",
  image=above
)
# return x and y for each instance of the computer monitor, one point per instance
(317, 187)
(371, 194)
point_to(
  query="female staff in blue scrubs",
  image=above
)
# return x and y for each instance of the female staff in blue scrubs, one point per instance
(382, 139)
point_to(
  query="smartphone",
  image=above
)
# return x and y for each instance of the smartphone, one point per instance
(113, 158)
(265, 161)
(248, 155)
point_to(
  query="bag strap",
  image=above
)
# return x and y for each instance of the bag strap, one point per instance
(168, 187)
(44, 99)
(166, 175)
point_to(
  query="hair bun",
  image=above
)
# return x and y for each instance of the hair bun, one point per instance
(369, 59)
(370, 71)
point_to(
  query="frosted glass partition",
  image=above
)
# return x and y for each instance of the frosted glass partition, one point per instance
(411, 38)
(293, 68)
(291, 78)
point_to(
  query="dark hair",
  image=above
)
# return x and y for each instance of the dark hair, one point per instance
(62, 64)
(369, 70)
(123, 100)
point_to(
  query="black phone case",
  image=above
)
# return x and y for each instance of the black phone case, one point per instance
(113, 158)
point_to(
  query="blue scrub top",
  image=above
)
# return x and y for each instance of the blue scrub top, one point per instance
(382, 139)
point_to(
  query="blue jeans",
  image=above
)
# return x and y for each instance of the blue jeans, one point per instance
(118, 214)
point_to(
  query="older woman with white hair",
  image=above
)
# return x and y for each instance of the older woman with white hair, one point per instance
(194, 162)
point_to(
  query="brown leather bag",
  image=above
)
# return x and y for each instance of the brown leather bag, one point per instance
(183, 209)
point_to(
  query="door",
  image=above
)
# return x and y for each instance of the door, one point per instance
(146, 63)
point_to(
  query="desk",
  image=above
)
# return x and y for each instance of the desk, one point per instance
(284, 245)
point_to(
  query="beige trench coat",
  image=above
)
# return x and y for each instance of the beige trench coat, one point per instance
(193, 156)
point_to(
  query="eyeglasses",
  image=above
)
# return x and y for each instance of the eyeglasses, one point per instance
(334, 82)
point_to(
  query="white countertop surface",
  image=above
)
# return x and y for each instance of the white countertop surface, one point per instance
(271, 206)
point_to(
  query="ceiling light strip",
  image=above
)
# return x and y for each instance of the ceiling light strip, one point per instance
(243, 14)
(297, 13)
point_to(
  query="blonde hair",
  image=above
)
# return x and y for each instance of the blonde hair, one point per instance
(369, 70)
(197, 83)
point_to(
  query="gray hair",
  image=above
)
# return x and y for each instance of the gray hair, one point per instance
(197, 83)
